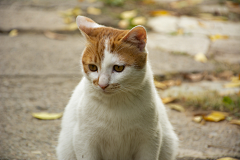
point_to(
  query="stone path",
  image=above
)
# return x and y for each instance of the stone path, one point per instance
(39, 74)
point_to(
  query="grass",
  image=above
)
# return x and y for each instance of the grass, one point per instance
(213, 101)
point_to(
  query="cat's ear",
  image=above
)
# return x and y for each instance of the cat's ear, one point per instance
(86, 25)
(137, 36)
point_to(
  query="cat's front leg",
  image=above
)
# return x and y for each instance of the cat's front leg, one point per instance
(149, 150)
(84, 145)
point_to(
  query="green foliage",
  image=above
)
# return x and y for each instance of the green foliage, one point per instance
(113, 2)
(213, 101)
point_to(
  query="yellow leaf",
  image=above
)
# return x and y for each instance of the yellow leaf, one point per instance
(13, 33)
(68, 20)
(128, 14)
(53, 35)
(197, 119)
(160, 13)
(123, 23)
(232, 84)
(235, 121)
(167, 100)
(94, 11)
(218, 36)
(227, 158)
(139, 21)
(71, 27)
(176, 107)
(76, 11)
(200, 57)
(215, 116)
(47, 116)
(160, 85)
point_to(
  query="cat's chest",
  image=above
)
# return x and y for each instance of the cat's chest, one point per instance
(118, 116)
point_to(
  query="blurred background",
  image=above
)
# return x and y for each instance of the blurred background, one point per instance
(194, 50)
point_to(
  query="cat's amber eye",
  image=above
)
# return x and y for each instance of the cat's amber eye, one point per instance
(92, 67)
(118, 68)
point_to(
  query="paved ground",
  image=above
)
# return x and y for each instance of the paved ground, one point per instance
(39, 74)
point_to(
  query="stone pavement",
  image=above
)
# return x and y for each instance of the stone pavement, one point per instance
(38, 71)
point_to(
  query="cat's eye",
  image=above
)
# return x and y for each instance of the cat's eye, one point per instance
(118, 68)
(92, 67)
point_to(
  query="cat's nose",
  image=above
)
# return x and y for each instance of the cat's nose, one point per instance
(103, 86)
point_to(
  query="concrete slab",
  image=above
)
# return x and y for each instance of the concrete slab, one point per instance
(37, 55)
(185, 44)
(30, 19)
(198, 26)
(163, 24)
(226, 50)
(164, 62)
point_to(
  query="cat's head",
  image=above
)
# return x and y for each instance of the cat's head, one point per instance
(113, 60)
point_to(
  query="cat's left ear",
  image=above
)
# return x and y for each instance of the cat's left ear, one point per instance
(86, 25)
(137, 36)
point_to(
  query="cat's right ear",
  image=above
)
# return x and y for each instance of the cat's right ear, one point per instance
(86, 25)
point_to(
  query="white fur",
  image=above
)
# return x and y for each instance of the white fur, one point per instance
(81, 20)
(128, 123)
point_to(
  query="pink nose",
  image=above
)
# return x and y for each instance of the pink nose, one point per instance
(103, 86)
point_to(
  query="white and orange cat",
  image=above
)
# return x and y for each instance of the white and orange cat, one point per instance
(115, 112)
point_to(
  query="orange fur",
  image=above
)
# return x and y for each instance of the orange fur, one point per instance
(127, 50)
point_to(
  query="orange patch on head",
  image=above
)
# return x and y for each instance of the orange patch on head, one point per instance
(128, 45)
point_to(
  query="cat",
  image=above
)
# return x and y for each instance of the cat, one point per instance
(115, 112)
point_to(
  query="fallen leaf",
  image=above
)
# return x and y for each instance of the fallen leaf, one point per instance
(139, 21)
(225, 74)
(123, 23)
(172, 83)
(47, 116)
(36, 152)
(200, 57)
(53, 35)
(194, 77)
(76, 11)
(13, 33)
(167, 100)
(71, 27)
(232, 84)
(217, 36)
(160, 13)
(235, 121)
(184, 3)
(128, 14)
(160, 85)
(94, 11)
(72, 12)
(227, 158)
(68, 20)
(176, 107)
(215, 116)
(201, 24)
(197, 119)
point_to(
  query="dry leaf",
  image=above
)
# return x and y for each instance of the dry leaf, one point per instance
(194, 77)
(169, 83)
(71, 27)
(128, 14)
(176, 107)
(184, 3)
(232, 84)
(160, 13)
(94, 11)
(215, 116)
(13, 33)
(160, 85)
(218, 36)
(227, 158)
(123, 23)
(200, 57)
(197, 119)
(139, 21)
(71, 12)
(68, 20)
(53, 35)
(235, 121)
(167, 100)
(47, 116)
